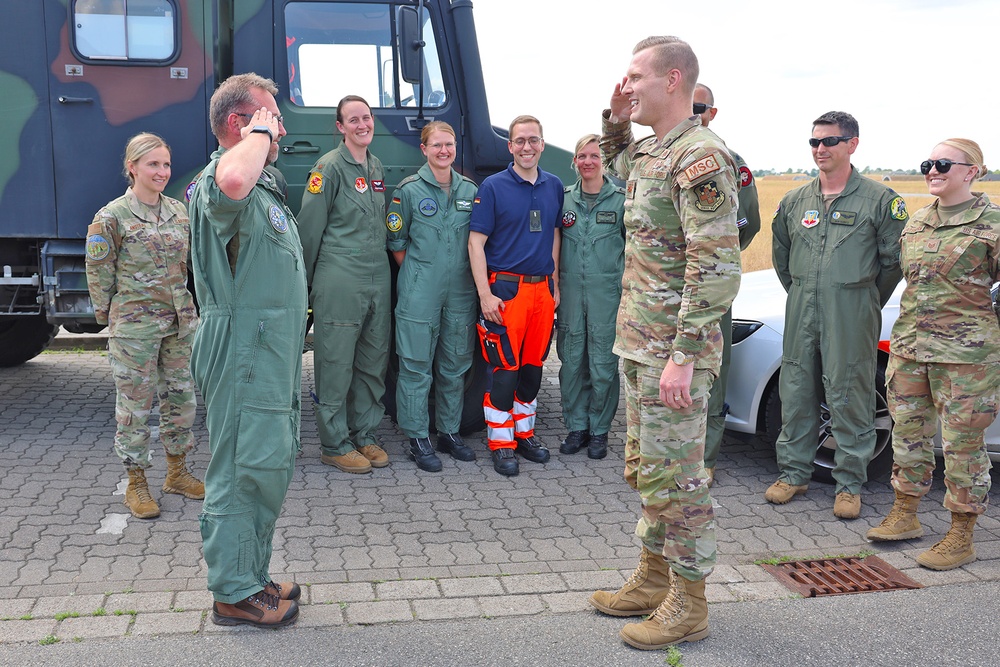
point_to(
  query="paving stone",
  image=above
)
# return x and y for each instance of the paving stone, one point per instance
(319, 615)
(93, 627)
(191, 600)
(602, 580)
(435, 610)
(26, 631)
(142, 602)
(510, 605)
(566, 602)
(470, 587)
(15, 608)
(167, 623)
(533, 583)
(81, 604)
(360, 592)
(379, 612)
(760, 591)
(406, 590)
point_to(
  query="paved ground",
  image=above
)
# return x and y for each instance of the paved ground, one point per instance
(396, 546)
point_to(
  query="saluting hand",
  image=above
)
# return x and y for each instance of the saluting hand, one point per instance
(621, 107)
(261, 117)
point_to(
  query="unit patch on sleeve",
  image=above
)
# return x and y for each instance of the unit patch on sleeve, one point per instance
(393, 222)
(709, 197)
(315, 183)
(97, 247)
(746, 177)
(898, 209)
(703, 167)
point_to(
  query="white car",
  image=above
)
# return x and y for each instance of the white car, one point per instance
(752, 394)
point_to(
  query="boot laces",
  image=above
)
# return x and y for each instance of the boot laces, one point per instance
(670, 608)
(896, 513)
(267, 600)
(142, 491)
(184, 476)
(953, 541)
(633, 579)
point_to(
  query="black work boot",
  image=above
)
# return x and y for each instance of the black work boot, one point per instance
(598, 447)
(504, 461)
(423, 454)
(574, 442)
(451, 443)
(532, 450)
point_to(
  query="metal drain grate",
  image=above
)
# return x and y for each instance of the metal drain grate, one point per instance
(840, 576)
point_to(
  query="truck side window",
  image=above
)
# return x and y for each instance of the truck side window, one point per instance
(130, 30)
(349, 48)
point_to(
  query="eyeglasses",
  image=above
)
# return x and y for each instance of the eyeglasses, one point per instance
(943, 166)
(531, 141)
(278, 117)
(437, 146)
(829, 142)
(701, 107)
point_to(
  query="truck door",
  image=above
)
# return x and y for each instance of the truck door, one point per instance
(326, 49)
(120, 67)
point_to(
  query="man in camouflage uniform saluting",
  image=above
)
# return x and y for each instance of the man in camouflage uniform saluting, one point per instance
(682, 267)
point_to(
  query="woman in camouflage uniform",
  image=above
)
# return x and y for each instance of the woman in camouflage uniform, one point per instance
(137, 252)
(945, 354)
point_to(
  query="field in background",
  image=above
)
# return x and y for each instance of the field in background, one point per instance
(770, 190)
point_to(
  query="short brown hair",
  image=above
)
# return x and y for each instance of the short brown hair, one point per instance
(672, 53)
(846, 124)
(524, 120)
(235, 95)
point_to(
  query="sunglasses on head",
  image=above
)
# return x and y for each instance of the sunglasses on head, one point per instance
(943, 166)
(828, 141)
(700, 108)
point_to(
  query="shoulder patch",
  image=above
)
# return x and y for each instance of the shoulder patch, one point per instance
(97, 247)
(393, 222)
(189, 191)
(709, 197)
(703, 167)
(315, 183)
(898, 209)
(278, 219)
(746, 177)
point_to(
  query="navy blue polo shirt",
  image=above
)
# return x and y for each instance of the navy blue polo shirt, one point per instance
(502, 211)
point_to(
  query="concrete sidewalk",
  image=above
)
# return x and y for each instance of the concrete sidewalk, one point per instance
(396, 546)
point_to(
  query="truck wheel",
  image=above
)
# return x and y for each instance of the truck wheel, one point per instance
(24, 338)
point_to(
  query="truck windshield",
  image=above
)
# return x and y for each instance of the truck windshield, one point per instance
(340, 48)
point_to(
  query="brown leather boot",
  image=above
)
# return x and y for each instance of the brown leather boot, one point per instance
(286, 590)
(681, 617)
(956, 548)
(901, 523)
(260, 609)
(137, 497)
(645, 589)
(180, 480)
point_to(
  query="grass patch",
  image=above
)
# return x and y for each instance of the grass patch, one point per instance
(47, 640)
(123, 612)
(100, 611)
(777, 560)
(63, 615)
(674, 657)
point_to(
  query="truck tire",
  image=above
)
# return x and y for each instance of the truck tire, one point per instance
(24, 338)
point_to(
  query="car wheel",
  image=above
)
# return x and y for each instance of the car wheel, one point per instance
(826, 446)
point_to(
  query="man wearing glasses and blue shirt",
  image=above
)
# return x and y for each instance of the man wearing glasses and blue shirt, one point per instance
(836, 252)
(514, 239)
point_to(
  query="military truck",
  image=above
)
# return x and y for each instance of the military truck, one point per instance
(79, 77)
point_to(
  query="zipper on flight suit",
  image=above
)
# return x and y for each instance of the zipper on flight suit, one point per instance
(253, 350)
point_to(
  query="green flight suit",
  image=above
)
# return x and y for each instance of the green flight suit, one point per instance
(437, 300)
(342, 222)
(839, 267)
(247, 362)
(591, 262)
(748, 222)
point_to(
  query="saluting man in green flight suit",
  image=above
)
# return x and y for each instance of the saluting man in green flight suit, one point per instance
(343, 240)
(428, 223)
(247, 357)
(836, 251)
(591, 262)
(748, 223)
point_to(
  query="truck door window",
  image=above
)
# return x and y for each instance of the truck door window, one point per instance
(130, 30)
(349, 48)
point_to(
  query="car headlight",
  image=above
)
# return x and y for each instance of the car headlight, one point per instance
(743, 329)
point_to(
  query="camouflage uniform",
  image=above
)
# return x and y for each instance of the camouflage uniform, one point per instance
(839, 267)
(682, 266)
(946, 353)
(137, 276)
(591, 262)
(748, 222)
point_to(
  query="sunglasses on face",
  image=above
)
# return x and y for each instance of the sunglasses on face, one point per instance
(942, 166)
(700, 108)
(829, 142)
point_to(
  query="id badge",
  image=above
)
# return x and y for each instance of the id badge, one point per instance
(535, 221)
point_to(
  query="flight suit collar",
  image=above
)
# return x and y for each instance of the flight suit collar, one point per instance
(575, 191)
(427, 176)
(853, 183)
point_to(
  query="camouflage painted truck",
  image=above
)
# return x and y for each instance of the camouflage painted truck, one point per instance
(78, 77)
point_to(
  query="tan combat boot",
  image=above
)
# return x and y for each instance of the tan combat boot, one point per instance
(180, 480)
(901, 523)
(645, 589)
(956, 548)
(681, 617)
(137, 496)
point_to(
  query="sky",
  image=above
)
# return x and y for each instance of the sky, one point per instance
(912, 72)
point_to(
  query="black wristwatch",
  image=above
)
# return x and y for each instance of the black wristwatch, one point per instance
(262, 129)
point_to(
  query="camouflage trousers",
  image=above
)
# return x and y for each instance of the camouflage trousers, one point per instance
(964, 397)
(664, 450)
(142, 367)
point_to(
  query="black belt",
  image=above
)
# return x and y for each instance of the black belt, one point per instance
(518, 278)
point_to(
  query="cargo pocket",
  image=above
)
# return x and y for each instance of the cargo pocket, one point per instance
(413, 339)
(497, 349)
(259, 428)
